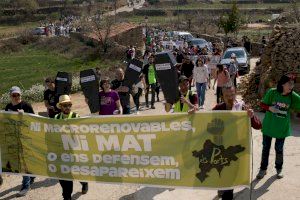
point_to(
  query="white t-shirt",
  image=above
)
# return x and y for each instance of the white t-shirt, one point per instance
(238, 105)
(201, 74)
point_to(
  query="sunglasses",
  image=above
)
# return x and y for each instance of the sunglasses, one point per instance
(66, 105)
(15, 95)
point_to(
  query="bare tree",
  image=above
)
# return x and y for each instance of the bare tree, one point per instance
(295, 11)
(102, 26)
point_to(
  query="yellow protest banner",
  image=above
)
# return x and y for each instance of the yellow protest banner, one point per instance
(207, 149)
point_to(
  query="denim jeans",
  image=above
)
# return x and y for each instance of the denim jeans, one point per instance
(266, 151)
(201, 88)
(126, 109)
(26, 182)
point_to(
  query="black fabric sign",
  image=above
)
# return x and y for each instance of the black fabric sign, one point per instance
(63, 83)
(167, 75)
(89, 82)
(132, 73)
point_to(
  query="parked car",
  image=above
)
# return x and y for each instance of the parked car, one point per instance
(242, 58)
(200, 43)
(39, 31)
(183, 35)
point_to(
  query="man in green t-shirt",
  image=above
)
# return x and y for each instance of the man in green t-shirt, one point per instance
(278, 103)
(150, 79)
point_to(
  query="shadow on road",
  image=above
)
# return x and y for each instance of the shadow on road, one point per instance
(258, 192)
(35, 185)
(76, 195)
(146, 193)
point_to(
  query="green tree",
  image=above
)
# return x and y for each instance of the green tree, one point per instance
(232, 21)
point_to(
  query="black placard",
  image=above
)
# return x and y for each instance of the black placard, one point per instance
(133, 72)
(167, 76)
(89, 82)
(63, 83)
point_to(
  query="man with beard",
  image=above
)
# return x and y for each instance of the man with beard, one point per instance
(231, 103)
(123, 91)
(65, 105)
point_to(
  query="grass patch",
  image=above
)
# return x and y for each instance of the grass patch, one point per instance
(254, 34)
(30, 65)
(14, 30)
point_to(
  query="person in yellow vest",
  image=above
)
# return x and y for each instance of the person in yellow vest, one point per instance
(188, 101)
(65, 105)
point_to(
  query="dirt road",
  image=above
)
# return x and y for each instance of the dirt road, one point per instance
(268, 188)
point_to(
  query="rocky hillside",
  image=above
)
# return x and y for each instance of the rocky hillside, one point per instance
(280, 56)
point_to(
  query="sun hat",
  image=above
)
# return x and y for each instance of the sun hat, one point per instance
(63, 99)
(15, 90)
(182, 78)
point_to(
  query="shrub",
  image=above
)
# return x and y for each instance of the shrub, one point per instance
(10, 45)
(36, 93)
(27, 37)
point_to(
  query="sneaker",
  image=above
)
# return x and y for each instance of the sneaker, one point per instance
(279, 173)
(23, 192)
(152, 107)
(147, 105)
(201, 107)
(261, 174)
(85, 188)
(32, 180)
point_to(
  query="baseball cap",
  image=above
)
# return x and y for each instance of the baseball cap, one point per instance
(15, 90)
(182, 78)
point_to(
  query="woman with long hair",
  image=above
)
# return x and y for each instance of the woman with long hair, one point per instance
(278, 103)
(222, 79)
(201, 77)
(109, 99)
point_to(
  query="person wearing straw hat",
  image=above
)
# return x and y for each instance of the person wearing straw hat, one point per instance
(188, 101)
(20, 106)
(65, 104)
